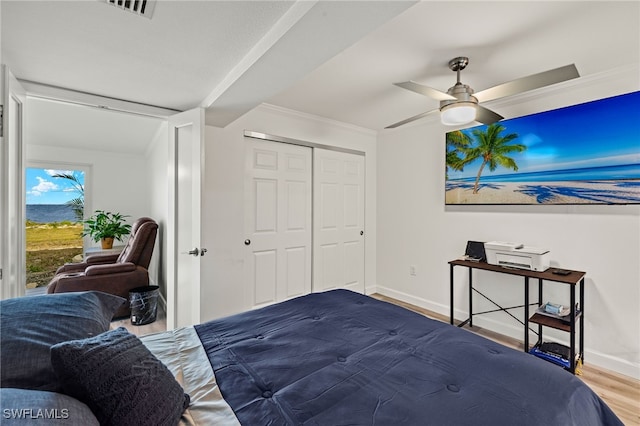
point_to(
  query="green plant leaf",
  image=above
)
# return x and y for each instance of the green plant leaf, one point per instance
(104, 224)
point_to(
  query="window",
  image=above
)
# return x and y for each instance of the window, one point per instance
(55, 200)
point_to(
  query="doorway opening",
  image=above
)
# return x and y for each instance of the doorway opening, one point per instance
(54, 209)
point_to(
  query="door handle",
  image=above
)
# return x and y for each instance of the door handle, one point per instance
(194, 252)
(247, 242)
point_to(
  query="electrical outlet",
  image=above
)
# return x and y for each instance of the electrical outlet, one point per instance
(412, 270)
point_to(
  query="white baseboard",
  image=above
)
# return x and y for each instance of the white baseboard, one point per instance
(371, 289)
(514, 330)
(615, 364)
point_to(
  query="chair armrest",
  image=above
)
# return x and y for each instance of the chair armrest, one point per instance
(111, 268)
(71, 267)
(96, 259)
(100, 259)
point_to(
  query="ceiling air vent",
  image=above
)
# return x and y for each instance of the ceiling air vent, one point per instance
(139, 7)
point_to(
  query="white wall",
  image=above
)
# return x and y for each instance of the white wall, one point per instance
(222, 289)
(157, 157)
(416, 228)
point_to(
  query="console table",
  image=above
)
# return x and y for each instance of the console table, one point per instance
(573, 279)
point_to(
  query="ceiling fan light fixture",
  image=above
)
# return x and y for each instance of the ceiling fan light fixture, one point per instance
(462, 105)
(458, 113)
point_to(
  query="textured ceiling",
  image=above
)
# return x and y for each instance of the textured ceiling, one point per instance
(334, 59)
(173, 60)
(503, 40)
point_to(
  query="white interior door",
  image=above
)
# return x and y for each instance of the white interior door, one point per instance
(186, 136)
(12, 237)
(277, 221)
(338, 237)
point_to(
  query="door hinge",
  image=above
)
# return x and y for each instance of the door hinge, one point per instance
(0, 273)
(1, 124)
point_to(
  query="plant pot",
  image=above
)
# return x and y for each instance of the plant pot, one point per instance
(107, 243)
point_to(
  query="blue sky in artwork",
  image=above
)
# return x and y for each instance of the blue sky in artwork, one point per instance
(586, 136)
(43, 188)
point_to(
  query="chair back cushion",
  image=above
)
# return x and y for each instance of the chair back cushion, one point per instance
(139, 247)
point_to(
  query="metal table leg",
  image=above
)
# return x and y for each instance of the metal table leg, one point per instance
(572, 333)
(451, 294)
(526, 314)
(470, 297)
(582, 320)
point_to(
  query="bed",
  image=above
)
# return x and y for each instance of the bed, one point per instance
(341, 358)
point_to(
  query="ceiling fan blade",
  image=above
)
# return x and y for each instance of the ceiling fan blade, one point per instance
(425, 90)
(531, 82)
(486, 116)
(409, 120)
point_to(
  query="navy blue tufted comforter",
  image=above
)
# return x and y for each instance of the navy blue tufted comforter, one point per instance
(341, 358)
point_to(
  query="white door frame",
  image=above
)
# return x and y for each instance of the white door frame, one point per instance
(195, 119)
(12, 187)
(273, 138)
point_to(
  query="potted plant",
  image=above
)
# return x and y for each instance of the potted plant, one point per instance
(105, 227)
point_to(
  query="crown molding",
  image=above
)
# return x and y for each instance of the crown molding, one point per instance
(319, 119)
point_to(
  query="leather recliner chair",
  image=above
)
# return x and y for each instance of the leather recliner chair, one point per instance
(112, 273)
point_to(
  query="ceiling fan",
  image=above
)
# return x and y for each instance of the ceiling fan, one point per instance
(460, 105)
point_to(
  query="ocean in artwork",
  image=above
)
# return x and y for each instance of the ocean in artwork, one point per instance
(619, 172)
(49, 213)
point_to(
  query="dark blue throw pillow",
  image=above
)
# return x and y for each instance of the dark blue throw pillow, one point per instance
(29, 326)
(119, 379)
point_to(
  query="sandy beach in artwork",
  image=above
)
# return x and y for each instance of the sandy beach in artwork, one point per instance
(573, 192)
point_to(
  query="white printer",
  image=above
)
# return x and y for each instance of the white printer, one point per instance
(513, 255)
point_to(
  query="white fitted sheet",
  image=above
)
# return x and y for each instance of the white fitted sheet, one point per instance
(181, 351)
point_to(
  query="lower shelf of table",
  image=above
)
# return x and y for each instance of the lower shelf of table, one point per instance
(559, 360)
(553, 322)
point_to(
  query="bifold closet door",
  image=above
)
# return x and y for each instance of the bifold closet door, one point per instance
(278, 223)
(338, 237)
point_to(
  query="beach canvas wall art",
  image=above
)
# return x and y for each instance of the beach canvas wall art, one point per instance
(582, 154)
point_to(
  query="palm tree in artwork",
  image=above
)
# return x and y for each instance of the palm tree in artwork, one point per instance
(457, 142)
(494, 149)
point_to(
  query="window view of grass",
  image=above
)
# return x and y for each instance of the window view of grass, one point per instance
(50, 245)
